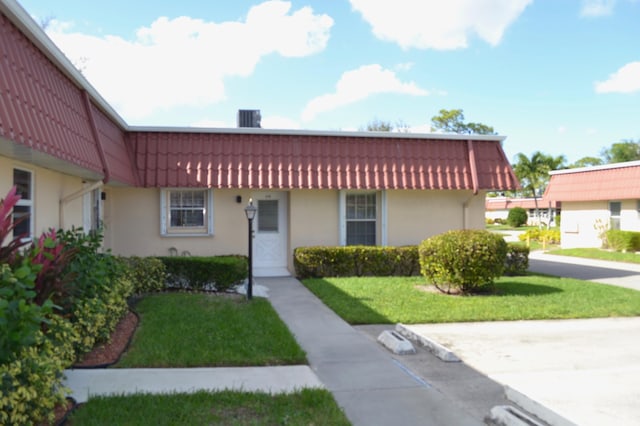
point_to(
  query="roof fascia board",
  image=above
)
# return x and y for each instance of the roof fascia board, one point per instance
(334, 133)
(595, 168)
(21, 19)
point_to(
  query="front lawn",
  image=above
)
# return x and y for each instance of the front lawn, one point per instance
(389, 300)
(209, 330)
(595, 253)
(306, 407)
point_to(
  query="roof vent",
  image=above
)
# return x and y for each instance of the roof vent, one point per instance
(249, 118)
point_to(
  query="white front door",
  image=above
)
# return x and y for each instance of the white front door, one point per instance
(270, 234)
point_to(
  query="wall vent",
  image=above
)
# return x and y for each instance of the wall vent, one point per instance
(249, 118)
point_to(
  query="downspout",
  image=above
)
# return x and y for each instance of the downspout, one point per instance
(101, 154)
(474, 182)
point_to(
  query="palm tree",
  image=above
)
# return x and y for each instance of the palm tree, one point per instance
(533, 172)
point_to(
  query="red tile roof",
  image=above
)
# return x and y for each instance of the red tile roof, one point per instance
(52, 117)
(505, 203)
(619, 181)
(259, 158)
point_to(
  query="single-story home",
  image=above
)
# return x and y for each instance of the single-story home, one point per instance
(498, 208)
(595, 199)
(162, 191)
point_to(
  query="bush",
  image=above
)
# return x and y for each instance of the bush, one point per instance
(517, 217)
(350, 261)
(517, 260)
(147, 274)
(623, 240)
(218, 273)
(463, 261)
(547, 236)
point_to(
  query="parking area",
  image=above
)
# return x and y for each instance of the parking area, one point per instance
(587, 371)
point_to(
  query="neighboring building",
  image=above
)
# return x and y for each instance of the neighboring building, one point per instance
(498, 208)
(595, 199)
(161, 191)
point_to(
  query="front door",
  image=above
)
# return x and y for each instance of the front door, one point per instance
(270, 234)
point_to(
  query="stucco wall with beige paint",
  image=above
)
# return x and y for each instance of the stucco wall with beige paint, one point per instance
(313, 218)
(582, 222)
(49, 188)
(132, 221)
(413, 216)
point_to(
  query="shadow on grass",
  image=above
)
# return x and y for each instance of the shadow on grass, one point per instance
(523, 289)
(352, 309)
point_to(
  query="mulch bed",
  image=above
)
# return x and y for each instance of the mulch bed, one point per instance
(102, 356)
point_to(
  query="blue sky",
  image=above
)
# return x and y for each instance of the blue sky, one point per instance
(558, 76)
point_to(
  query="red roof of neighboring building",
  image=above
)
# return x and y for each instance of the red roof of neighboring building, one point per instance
(620, 181)
(505, 203)
(258, 158)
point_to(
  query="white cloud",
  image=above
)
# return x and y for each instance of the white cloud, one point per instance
(596, 8)
(359, 84)
(184, 61)
(625, 80)
(439, 24)
(561, 130)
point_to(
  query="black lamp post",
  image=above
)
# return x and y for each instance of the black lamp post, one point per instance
(250, 211)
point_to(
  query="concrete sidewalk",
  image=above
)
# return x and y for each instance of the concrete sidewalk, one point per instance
(372, 386)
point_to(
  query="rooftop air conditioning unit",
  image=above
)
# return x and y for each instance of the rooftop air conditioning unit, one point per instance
(249, 118)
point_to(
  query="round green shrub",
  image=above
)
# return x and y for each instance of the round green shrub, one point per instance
(517, 217)
(463, 261)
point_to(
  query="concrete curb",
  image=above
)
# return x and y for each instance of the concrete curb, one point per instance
(534, 407)
(432, 346)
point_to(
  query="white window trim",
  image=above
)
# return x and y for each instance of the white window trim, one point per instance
(381, 219)
(87, 209)
(30, 202)
(164, 217)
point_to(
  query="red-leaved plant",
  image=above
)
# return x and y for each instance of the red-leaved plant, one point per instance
(49, 256)
(9, 252)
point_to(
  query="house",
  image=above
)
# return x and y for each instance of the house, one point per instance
(595, 199)
(498, 208)
(161, 191)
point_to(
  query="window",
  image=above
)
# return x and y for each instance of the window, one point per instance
(268, 215)
(361, 215)
(615, 207)
(186, 212)
(23, 210)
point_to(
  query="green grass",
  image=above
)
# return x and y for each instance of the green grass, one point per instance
(391, 300)
(306, 407)
(594, 253)
(207, 330)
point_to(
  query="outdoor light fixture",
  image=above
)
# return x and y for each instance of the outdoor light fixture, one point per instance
(250, 211)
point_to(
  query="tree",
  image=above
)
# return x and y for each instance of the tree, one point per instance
(452, 121)
(627, 150)
(586, 162)
(377, 125)
(533, 172)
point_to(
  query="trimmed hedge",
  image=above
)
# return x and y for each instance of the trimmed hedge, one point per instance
(623, 240)
(219, 273)
(147, 274)
(517, 217)
(463, 261)
(349, 261)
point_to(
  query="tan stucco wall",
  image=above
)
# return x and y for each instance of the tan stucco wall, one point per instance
(583, 221)
(49, 188)
(132, 222)
(413, 216)
(314, 217)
